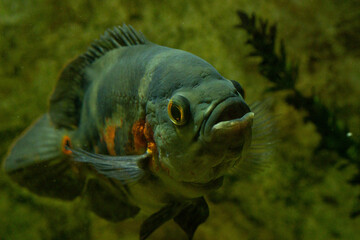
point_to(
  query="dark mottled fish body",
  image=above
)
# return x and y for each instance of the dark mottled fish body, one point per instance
(136, 126)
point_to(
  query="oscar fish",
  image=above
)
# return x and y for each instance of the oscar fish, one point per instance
(136, 127)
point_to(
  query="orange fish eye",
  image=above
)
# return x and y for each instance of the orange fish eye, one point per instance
(178, 110)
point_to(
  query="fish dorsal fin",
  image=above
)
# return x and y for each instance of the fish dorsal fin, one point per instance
(115, 38)
(66, 100)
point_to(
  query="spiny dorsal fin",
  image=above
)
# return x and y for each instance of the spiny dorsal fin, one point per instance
(115, 38)
(66, 100)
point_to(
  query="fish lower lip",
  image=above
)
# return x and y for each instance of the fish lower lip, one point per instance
(228, 114)
(233, 132)
(235, 124)
(213, 184)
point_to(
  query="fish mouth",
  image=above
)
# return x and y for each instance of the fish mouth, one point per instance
(211, 185)
(230, 120)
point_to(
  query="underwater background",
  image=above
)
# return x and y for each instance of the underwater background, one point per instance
(302, 192)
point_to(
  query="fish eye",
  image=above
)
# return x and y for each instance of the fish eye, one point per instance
(179, 110)
(238, 88)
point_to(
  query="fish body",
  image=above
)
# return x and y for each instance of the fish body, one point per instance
(136, 126)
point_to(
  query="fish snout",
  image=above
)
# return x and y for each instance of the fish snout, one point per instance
(229, 124)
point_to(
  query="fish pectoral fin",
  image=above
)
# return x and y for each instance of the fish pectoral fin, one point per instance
(192, 216)
(159, 218)
(123, 168)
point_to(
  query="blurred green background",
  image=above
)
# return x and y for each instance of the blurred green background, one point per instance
(300, 194)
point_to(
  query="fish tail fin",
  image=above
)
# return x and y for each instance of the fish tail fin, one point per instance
(38, 162)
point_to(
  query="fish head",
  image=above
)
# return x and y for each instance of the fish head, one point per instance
(202, 132)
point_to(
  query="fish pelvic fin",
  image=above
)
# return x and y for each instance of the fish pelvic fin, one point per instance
(159, 218)
(192, 216)
(67, 97)
(188, 215)
(37, 162)
(124, 168)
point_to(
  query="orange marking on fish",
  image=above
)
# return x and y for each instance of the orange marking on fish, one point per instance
(66, 142)
(152, 149)
(109, 138)
(139, 136)
(143, 140)
(148, 132)
(149, 136)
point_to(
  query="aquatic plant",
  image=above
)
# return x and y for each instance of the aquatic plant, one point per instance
(283, 73)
